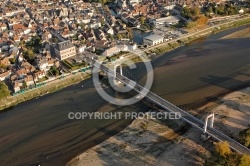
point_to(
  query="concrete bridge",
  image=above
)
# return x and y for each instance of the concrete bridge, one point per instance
(206, 127)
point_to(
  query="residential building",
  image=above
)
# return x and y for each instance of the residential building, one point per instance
(64, 50)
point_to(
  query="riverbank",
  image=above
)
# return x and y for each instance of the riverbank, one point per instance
(50, 87)
(157, 50)
(186, 75)
(152, 142)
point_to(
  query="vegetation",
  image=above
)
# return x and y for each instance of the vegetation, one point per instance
(71, 66)
(142, 20)
(224, 156)
(12, 60)
(31, 47)
(223, 149)
(54, 71)
(3, 66)
(29, 55)
(190, 12)
(245, 136)
(4, 90)
(130, 34)
(226, 10)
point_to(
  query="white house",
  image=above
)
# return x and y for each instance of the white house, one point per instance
(153, 39)
(116, 49)
(5, 75)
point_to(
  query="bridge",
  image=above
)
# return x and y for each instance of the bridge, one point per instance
(208, 130)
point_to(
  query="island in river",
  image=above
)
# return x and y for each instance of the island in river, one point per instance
(39, 131)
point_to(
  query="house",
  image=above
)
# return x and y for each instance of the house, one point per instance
(42, 63)
(17, 84)
(63, 12)
(113, 50)
(64, 50)
(21, 73)
(108, 29)
(29, 80)
(38, 75)
(121, 3)
(5, 75)
(94, 24)
(5, 61)
(81, 48)
(153, 39)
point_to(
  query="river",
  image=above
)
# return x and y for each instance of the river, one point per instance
(39, 131)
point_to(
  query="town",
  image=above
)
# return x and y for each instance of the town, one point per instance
(43, 40)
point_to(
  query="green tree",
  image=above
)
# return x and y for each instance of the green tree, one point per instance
(12, 60)
(3, 66)
(119, 36)
(22, 43)
(4, 90)
(142, 20)
(222, 148)
(195, 11)
(210, 10)
(191, 24)
(186, 12)
(36, 41)
(54, 71)
(244, 160)
(29, 54)
(130, 34)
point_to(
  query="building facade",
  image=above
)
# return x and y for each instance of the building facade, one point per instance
(64, 50)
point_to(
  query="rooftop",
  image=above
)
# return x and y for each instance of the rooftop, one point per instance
(154, 37)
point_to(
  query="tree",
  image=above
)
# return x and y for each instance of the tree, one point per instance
(54, 71)
(130, 34)
(22, 43)
(12, 60)
(244, 160)
(36, 41)
(29, 54)
(103, 2)
(191, 24)
(142, 20)
(195, 11)
(201, 20)
(4, 90)
(119, 36)
(186, 12)
(222, 148)
(210, 10)
(245, 136)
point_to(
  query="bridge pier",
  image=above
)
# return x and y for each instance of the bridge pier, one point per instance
(211, 122)
(204, 136)
(115, 67)
(121, 73)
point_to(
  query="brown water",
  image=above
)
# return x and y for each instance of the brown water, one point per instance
(39, 131)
